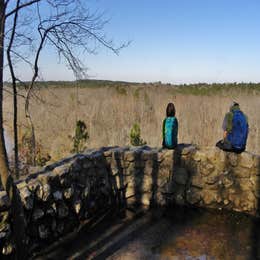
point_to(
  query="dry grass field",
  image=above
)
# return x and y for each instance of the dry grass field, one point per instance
(110, 112)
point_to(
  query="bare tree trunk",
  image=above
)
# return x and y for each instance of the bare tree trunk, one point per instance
(16, 159)
(6, 178)
(3, 156)
(10, 63)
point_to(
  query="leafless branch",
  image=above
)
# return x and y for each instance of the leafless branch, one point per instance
(20, 7)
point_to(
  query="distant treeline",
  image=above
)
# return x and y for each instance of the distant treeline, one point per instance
(194, 89)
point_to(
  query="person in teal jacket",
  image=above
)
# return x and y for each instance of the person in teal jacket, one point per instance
(170, 128)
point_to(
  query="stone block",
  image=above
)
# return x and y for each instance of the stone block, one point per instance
(210, 197)
(68, 193)
(241, 172)
(246, 160)
(77, 206)
(57, 195)
(245, 184)
(33, 185)
(149, 155)
(44, 192)
(27, 198)
(37, 214)
(64, 169)
(193, 196)
(180, 175)
(87, 164)
(62, 210)
(129, 156)
(199, 156)
(232, 159)
(228, 181)
(187, 149)
(44, 231)
(4, 200)
(196, 180)
(206, 168)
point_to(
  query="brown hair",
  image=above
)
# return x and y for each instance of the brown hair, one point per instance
(170, 110)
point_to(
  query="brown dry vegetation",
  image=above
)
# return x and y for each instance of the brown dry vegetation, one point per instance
(110, 112)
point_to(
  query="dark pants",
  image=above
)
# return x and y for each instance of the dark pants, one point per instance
(226, 146)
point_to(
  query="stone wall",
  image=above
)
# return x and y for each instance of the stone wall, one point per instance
(63, 195)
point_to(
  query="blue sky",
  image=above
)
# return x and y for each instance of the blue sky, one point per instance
(182, 41)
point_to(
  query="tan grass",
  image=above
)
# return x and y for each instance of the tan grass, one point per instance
(110, 114)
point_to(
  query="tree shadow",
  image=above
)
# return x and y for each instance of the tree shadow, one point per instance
(119, 185)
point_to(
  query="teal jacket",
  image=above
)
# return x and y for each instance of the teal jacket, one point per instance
(174, 132)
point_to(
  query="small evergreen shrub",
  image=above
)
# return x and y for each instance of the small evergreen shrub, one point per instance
(80, 138)
(135, 136)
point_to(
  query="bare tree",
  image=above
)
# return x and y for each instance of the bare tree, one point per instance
(66, 26)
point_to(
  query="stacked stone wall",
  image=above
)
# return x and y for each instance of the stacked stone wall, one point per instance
(61, 196)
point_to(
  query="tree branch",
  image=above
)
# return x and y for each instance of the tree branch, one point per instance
(20, 7)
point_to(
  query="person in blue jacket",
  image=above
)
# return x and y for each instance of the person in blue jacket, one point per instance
(235, 127)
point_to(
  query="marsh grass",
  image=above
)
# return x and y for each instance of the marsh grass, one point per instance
(110, 111)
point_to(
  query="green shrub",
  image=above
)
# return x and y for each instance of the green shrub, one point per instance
(80, 137)
(135, 136)
(136, 93)
(121, 90)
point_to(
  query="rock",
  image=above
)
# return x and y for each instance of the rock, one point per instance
(3, 235)
(63, 210)
(37, 214)
(43, 231)
(27, 198)
(86, 192)
(193, 196)
(7, 249)
(77, 206)
(206, 169)
(4, 200)
(68, 192)
(226, 202)
(246, 160)
(188, 149)
(57, 195)
(211, 180)
(196, 180)
(44, 192)
(50, 211)
(241, 172)
(88, 164)
(199, 156)
(180, 176)
(160, 157)
(33, 185)
(210, 197)
(60, 227)
(129, 156)
(54, 225)
(245, 184)
(257, 162)
(233, 159)
(149, 155)
(179, 200)
(227, 181)
(64, 169)
(107, 153)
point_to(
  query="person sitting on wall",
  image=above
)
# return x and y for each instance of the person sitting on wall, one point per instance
(235, 127)
(170, 128)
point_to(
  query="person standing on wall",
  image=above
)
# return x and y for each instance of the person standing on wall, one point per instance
(235, 127)
(170, 128)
